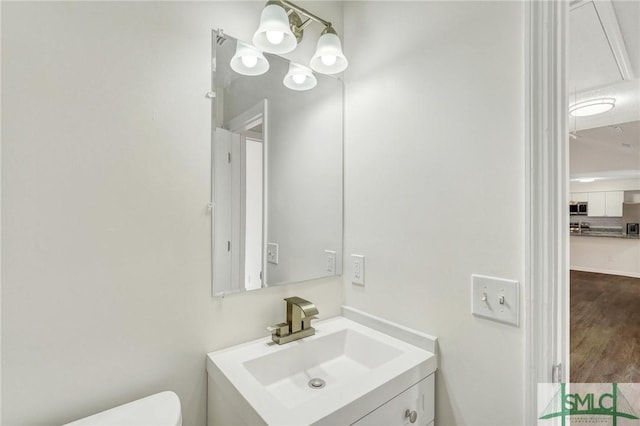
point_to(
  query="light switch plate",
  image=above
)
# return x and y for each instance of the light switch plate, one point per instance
(272, 253)
(495, 298)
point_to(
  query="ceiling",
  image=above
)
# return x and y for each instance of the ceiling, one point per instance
(604, 60)
(606, 152)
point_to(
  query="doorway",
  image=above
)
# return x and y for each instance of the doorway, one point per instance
(604, 176)
(239, 152)
(547, 196)
(253, 160)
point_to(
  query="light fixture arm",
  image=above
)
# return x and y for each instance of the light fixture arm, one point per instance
(302, 11)
(328, 30)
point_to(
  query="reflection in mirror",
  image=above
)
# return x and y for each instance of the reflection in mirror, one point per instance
(276, 176)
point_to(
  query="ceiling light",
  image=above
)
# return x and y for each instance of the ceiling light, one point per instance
(587, 180)
(274, 34)
(248, 60)
(299, 78)
(329, 58)
(592, 107)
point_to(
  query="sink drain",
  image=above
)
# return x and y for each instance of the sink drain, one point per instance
(316, 383)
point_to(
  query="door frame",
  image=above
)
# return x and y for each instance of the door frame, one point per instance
(546, 197)
(243, 122)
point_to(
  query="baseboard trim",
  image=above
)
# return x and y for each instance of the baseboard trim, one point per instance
(606, 271)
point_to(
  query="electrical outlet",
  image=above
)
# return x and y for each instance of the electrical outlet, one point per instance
(272, 253)
(495, 298)
(330, 261)
(357, 269)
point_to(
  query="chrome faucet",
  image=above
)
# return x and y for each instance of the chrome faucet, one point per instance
(300, 312)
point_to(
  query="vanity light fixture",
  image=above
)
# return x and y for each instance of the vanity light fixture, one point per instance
(274, 34)
(248, 60)
(281, 29)
(299, 78)
(592, 107)
(329, 58)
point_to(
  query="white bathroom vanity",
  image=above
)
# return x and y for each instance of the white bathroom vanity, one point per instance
(356, 370)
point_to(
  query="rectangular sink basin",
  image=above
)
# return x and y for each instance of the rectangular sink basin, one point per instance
(340, 374)
(336, 359)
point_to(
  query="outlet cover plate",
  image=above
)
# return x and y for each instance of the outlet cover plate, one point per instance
(487, 294)
(330, 261)
(357, 269)
(272, 253)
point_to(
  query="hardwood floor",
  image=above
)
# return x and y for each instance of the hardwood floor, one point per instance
(604, 328)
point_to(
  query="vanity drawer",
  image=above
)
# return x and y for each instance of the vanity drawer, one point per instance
(419, 398)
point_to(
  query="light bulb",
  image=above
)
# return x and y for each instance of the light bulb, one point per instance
(298, 78)
(275, 37)
(249, 61)
(328, 60)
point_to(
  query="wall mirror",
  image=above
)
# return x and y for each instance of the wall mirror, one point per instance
(276, 175)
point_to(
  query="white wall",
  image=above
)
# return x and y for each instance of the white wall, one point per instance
(434, 185)
(105, 181)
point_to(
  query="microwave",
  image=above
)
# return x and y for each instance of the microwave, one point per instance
(578, 208)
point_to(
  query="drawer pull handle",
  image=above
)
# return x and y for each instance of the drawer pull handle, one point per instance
(411, 415)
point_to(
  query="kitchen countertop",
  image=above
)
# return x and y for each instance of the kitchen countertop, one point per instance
(604, 233)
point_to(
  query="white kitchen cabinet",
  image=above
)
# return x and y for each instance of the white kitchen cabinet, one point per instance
(607, 203)
(579, 197)
(597, 201)
(613, 203)
(418, 401)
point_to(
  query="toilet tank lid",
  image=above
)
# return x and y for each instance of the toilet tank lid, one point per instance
(161, 409)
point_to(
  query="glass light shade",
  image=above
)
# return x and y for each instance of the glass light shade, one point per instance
(299, 78)
(274, 34)
(592, 107)
(248, 60)
(329, 58)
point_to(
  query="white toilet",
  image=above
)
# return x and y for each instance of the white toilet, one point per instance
(161, 409)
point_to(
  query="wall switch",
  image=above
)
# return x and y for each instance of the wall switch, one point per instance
(357, 269)
(495, 298)
(330, 261)
(272, 253)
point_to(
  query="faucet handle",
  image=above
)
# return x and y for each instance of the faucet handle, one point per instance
(279, 330)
